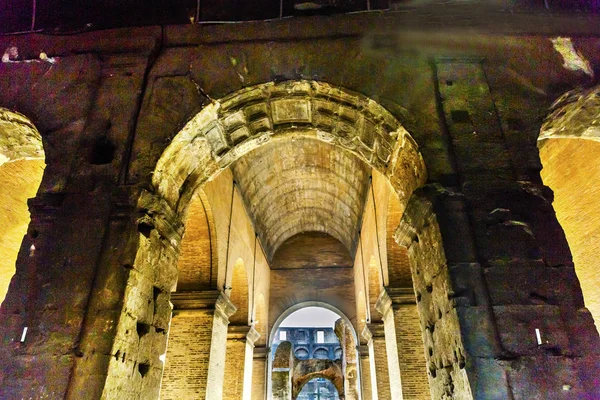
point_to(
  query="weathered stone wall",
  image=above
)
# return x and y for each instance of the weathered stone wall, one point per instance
(333, 286)
(440, 325)
(186, 363)
(106, 112)
(569, 143)
(413, 368)
(233, 387)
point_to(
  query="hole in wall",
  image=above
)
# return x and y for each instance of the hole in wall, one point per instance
(143, 368)
(103, 151)
(429, 288)
(460, 116)
(127, 266)
(142, 329)
(515, 124)
(145, 229)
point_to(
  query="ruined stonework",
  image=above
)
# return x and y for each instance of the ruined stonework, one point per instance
(409, 140)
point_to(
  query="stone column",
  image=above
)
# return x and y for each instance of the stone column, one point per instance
(374, 334)
(239, 360)
(365, 372)
(514, 321)
(195, 360)
(389, 332)
(259, 373)
(281, 375)
(349, 359)
(399, 306)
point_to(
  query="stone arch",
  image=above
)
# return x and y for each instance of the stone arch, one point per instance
(223, 132)
(227, 129)
(320, 351)
(305, 304)
(22, 163)
(374, 287)
(198, 257)
(260, 319)
(569, 145)
(361, 311)
(239, 293)
(300, 383)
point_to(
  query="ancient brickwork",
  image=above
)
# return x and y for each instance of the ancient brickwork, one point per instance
(259, 373)
(96, 268)
(233, 383)
(365, 373)
(187, 358)
(380, 376)
(413, 368)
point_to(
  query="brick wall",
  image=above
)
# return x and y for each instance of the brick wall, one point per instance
(186, 364)
(413, 369)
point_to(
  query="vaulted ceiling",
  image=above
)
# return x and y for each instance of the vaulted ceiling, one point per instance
(303, 185)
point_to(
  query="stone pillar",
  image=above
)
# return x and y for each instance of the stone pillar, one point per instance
(349, 360)
(521, 330)
(259, 373)
(365, 372)
(374, 334)
(389, 328)
(195, 360)
(49, 294)
(399, 305)
(239, 360)
(281, 375)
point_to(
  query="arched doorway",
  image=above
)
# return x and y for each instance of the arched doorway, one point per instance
(569, 145)
(225, 131)
(318, 341)
(318, 389)
(22, 164)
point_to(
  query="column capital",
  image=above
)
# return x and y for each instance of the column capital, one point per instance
(363, 351)
(261, 352)
(366, 334)
(237, 332)
(390, 297)
(376, 330)
(402, 295)
(203, 300)
(252, 336)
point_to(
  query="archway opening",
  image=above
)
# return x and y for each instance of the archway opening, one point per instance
(312, 120)
(22, 163)
(318, 389)
(569, 144)
(313, 340)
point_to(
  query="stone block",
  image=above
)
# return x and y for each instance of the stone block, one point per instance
(533, 283)
(517, 328)
(291, 111)
(488, 379)
(479, 332)
(468, 285)
(555, 377)
(583, 334)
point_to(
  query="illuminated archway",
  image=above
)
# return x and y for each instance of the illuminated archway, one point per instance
(569, 145)
(226, 130)
(22, 166)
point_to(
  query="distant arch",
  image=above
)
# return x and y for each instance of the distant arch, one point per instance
(569, 144)
(22, 163)
(239, 293)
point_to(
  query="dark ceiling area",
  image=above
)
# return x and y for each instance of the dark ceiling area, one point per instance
(65, 16)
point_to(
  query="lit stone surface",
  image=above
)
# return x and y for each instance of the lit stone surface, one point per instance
(137, 121)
